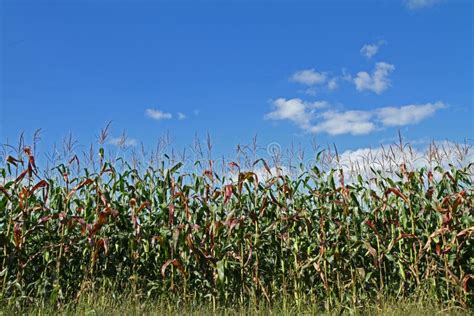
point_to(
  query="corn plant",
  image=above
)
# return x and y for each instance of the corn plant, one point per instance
(161, 232)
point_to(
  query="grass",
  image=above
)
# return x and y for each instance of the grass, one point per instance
(114, 235)
(101, 303)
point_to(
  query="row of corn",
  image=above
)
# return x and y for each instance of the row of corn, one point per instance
(162, 232)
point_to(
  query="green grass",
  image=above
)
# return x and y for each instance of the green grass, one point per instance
(106, 303)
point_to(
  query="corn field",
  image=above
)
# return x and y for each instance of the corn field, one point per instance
(167, 232)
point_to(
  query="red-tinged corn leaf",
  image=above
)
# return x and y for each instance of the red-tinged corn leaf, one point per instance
(406, 236)
(447, 174)
(17, 236)
(101, 244)
(466, 281)
(156, 238)
(31, 158)
(372, 226)
(175, 263)
(447, 218)
(74, 158)
(341, 179)
(44, 219)
(4, 191)
(233, 223)
(233, 164)
(103, 199)
(216, 195)
(430, 177)
(265, 165)
(171, 214)
(285, 189)
(264, 206)
(438, 232)
(466, 231)
(143, 206)
(371, 250)
(84, 226)
(102, 220)
(244, 176)
(397, 193)
(459, 199)
(21, 176)
(429, 193)
(107, 168)
(23, 197)
(31, 166)
(209, 174)
(79, 186)
(39, 185)
(446, 250)
(14, 161)
(438, 249)
(27, 151)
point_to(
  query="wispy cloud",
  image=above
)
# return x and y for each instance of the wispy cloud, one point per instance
(346, 76)
(123, 141)
(158, 115)
(309, 77)
(420, 4)
(377, 81)
(332, 84)
(181, 116)
(314, 117)
(370, 50)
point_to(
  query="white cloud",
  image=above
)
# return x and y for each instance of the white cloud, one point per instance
(181, 116)
(420, 4)
(335, 123)
(332, 84)
(123, 141)
(312, 91)
(370, 50)
(376, 82)
(349, 122)
(309, 77)
(385, 158)
(307, 117)
(318, 104)
(346, 76)
(295, 110)
(158, 115)
(408, 114)
(316, 81)
(388, 158)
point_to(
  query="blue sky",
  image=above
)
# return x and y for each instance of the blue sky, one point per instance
(288, 71)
